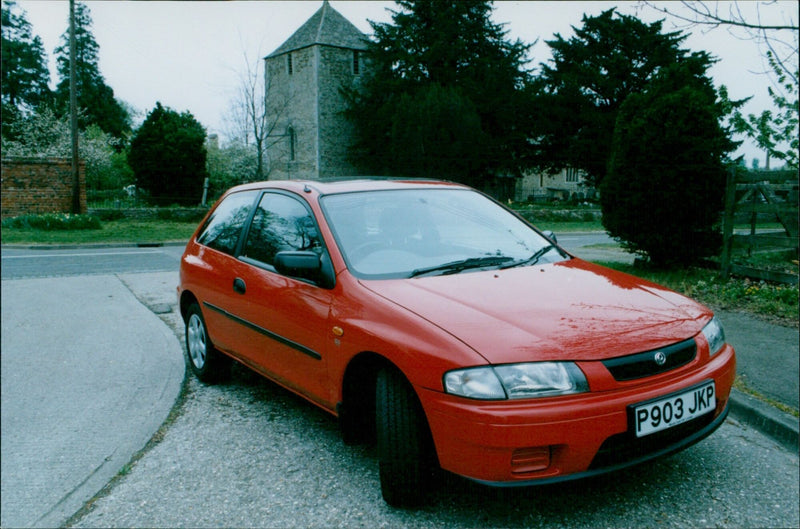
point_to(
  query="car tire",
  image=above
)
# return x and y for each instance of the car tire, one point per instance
(407, 458)
(205, 361)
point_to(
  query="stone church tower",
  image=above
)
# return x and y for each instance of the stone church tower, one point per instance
(311, 137)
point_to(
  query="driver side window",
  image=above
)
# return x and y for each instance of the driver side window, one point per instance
(280, 223)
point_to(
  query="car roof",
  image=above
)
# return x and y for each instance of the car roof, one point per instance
(348, 185)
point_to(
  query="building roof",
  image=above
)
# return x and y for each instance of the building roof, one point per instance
(326, 27)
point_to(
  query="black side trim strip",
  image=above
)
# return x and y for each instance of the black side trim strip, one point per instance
(277, 337)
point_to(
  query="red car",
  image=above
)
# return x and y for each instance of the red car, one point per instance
(433, 320)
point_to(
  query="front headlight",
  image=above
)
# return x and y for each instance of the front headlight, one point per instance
(715, 335)
(516, 381)
(474, 383)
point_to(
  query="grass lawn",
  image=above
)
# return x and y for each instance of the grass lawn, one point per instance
(112, 231)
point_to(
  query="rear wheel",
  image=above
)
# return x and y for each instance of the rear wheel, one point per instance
(207, 364)
(406, 453)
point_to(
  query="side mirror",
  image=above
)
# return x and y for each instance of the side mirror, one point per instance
(303, 265)
(550, 235)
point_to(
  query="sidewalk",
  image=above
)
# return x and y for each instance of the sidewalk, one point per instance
(767, 361)
(89, 375)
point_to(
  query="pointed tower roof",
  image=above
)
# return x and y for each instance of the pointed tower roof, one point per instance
(326, 27)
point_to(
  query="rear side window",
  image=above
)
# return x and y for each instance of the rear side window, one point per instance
(280, 223)
(224, 226)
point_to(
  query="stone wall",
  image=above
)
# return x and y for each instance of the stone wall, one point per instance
(335, 131)
(39, 185)
(309, 101)
(292, 103)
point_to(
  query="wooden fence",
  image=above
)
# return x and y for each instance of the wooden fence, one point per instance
(756, 198)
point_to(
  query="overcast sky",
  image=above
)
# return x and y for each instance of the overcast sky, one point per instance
(187, 55)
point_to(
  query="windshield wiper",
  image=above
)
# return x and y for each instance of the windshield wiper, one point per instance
(455, 267)
(533, 259)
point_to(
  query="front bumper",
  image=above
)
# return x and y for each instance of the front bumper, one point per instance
(513, 443)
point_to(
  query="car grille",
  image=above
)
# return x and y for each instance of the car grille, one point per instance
(625, 447)
(644, 364)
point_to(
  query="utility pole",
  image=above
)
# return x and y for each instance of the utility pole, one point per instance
(73, 112)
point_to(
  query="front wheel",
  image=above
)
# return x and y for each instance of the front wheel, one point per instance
(207, 364)
(406, 454)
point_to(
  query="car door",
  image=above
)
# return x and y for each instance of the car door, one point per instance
(214, 265)
(285, 331)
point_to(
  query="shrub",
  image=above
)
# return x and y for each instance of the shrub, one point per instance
(663, 193)
(54, 222)
(168, 157)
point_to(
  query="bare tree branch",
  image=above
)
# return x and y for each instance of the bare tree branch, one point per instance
(249, 120)
(778, 40)
(701, 14)
(775, 132)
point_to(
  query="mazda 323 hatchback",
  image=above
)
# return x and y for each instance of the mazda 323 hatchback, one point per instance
(432, 320)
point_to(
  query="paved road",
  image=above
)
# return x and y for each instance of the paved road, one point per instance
(594, 246)
(23, 262)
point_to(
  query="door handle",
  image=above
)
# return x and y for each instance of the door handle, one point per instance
(239, 286)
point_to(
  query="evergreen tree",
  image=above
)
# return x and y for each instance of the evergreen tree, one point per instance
(24, 72)
(436, 58)
(579, 94)
(168, 157)
(95, 97)
(436, 133)
(664, 190)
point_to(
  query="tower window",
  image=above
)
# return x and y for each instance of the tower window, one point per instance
(289, 66)
(356, 62)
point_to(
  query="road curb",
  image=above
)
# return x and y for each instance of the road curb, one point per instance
(780, 426)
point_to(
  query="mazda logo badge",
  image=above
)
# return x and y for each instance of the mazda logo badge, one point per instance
(660, 358)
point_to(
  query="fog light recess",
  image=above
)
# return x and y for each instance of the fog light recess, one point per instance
(532, 459)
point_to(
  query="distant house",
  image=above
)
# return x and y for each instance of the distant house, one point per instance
(304, 76)
(568, 184)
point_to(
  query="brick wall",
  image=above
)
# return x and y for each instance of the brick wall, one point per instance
(33, 186)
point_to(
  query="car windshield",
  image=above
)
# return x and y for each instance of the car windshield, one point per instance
(421, 232)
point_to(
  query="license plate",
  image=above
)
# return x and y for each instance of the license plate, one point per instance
(676, 409)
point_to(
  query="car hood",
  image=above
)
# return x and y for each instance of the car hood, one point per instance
(572, 310)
